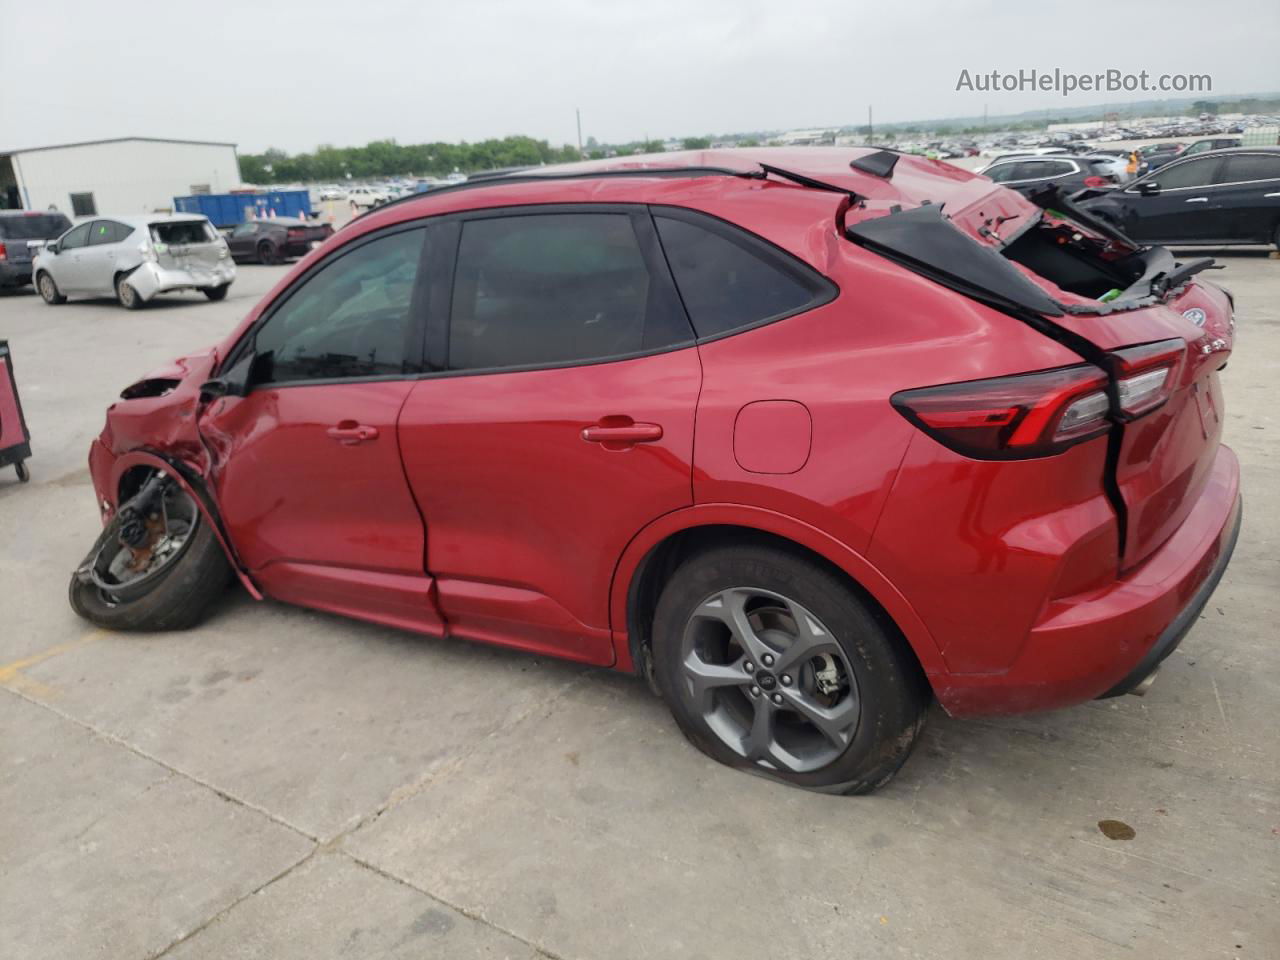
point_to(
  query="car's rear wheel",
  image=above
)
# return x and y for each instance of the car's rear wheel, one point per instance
(154, 569)
(770, 662)
(49, 290)
(267, 253)
(217, 293)
(128, 297)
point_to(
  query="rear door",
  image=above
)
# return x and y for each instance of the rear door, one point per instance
(100, 257)
(1247, 197)
(558, 421)
(306, 466)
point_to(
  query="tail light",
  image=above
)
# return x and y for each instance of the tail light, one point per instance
(4, 253)
(1012, 418)
(1146, 375)
(1096, 181)
(296, 234)
(148, 250)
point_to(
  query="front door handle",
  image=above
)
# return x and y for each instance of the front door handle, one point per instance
(622, 434)
(1198, 200)
(349, 433)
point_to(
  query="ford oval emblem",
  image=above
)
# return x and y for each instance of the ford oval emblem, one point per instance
(1196, 316)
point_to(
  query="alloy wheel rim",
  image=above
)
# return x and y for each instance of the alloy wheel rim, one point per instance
(46, 287)
(125, 292)
(769, 680)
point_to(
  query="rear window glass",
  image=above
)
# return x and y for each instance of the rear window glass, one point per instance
(726, 284)
(1249, 166)
(182, 231)
(37, 226)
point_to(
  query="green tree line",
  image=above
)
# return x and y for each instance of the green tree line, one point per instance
(384, 158)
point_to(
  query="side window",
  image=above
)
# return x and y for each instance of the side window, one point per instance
(107, 231)
(729, 279)
(352, 318)
(76, 238)
(553, 288)
(1193, 173)
(1001, 173)
(1243, 168)
(245, 230)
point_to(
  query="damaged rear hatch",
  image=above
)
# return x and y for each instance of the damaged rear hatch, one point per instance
(1136, 312)
(191, 247)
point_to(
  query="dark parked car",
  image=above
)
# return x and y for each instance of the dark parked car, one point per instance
(1068, 174)
(271, 241)
(1155, 155)
(1224, 196)
(17, 229)
(1210, 143)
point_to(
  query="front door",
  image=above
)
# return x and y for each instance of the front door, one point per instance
(69, 266)
(307, 468)
(1184, 209)
(559, 425)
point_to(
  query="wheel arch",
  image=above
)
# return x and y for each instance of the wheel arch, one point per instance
(656, 551)
(128, 473)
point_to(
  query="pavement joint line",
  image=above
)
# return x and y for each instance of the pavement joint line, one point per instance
(138, 751)
(1168, 866)
(457, 908)
(206, 924)
(332, 844)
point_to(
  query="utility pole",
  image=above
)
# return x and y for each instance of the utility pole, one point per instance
(578, 111)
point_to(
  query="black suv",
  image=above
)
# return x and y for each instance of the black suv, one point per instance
(1221, 197)
(17, 227)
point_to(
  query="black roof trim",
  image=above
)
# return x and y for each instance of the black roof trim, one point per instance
(94, 143)
(878, 164)
(499, 179)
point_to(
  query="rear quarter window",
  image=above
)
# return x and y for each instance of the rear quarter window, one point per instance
(730, 279)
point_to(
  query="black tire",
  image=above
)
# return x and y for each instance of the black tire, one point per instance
(21, 470)
(217, 293)
(886, 694)
(126, 295)
(49, 290)
(267, 254)
(1275, 237)
(177, 601)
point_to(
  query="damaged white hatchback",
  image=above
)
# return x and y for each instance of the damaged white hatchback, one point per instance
(134, 259)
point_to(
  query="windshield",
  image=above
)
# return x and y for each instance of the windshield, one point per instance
(33, 226)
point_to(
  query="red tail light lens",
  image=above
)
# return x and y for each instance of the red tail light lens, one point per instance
(1096, 181)
(4, 253)
(1012, 418)
(295, 234)
(1147, 374)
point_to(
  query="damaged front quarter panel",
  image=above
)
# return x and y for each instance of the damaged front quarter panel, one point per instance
(155, 425)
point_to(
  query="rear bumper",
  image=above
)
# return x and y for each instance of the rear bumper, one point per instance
(14, 274)
(151, 279)
(1105, 642)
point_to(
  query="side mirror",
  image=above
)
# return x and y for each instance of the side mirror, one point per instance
(51, 246)
(232, 383)
(1149, 188)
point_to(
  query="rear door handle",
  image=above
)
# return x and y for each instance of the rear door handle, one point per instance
(349, 433)
(630, 433)
(1198, 200)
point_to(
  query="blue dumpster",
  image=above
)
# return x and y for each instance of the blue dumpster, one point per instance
(229, 209)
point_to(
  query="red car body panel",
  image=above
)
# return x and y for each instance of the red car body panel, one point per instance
(480, 511)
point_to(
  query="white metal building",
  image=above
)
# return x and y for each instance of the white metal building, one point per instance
(121, 176)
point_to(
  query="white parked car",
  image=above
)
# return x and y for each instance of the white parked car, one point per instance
(367, 196)
(135, 258)
(332, 193)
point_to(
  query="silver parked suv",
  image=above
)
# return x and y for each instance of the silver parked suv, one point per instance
(135, 258)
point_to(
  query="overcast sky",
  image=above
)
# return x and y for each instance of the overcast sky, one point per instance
(293, 75)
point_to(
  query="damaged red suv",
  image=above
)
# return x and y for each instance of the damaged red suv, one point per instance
(804, 437)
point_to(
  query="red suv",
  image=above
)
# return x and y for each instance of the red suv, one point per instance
(805, 437)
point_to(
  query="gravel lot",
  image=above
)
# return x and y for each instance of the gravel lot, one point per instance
(280, 783)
